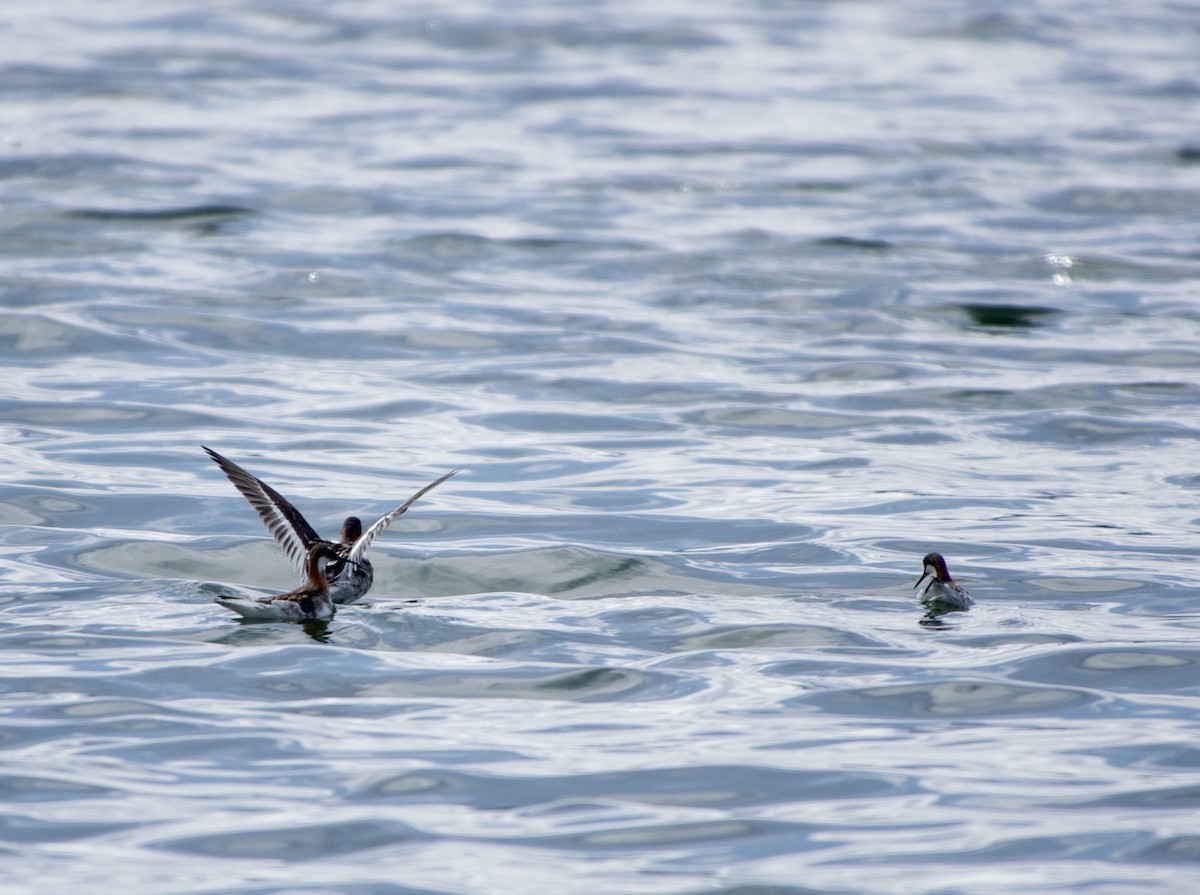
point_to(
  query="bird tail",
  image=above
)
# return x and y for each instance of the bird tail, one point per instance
(247, 608)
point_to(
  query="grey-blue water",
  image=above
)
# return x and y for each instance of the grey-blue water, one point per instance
(732, 311)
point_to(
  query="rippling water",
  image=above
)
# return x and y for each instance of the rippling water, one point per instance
(732, 312)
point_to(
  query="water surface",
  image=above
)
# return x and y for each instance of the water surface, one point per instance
(732, 313)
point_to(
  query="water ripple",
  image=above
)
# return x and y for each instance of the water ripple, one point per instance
(731, 313)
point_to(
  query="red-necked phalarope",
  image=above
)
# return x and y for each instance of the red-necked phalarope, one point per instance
(942, 592)
(350, 574)
(311, 601)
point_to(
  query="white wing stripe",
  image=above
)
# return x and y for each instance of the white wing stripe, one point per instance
(361, 545)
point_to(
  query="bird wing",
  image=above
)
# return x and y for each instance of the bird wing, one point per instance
(290, 530)
(361, 545)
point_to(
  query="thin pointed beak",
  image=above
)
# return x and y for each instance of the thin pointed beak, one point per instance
(924, 575)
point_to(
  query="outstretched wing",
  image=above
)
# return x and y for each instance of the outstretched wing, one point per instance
(283, 521)
(361, 545)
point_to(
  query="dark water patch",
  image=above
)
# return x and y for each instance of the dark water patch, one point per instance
(205, 750)
(1005, 26)
(422, 632)
(1056, 427)
(386, 410)
(985, 399)
(726, 787)
(19, 788)
(447, 161)
(952, 699)
(468, 253)
(40, 338)
(825, 668)
(562, 572)
(719, 838)
(1152, 756)
(285, 667)
(1169, 849)
(1178, 798)
(806, 423)
(302, 842)
(1094, 846)
(80, 413)
(758, 890)
(738, 786)
(906, 436)
(559, 423)
(775, 146)
(649, 619)
(598, 570)
(342, 887)
(863, 371)
(142, 716)
(1118, 201)
(444, 251)
(1008, 316)
(1189, 480)
(187, 214)
(614, 88)
(38, 638)
(513, 36)
(300, 887)
(854, 244)
(195, 333)
(101, 417)
(605, 250)
(66, 166)
(785, 568)
(534, 683)
(26, 830)
(256, 564)
(887, 506)
(774, 636)
(75, 693)
(661, 393)
(1021, 639)
(569, 572)
(624, 497)
(28, 81)
(1130, 669)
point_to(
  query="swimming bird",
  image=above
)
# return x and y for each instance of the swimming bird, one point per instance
(350, 573)
(942, 592)
(309, 601)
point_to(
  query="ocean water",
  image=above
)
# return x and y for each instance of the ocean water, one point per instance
(731, 312)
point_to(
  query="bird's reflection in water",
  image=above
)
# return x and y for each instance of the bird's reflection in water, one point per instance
(933, 618)
(318, 630)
